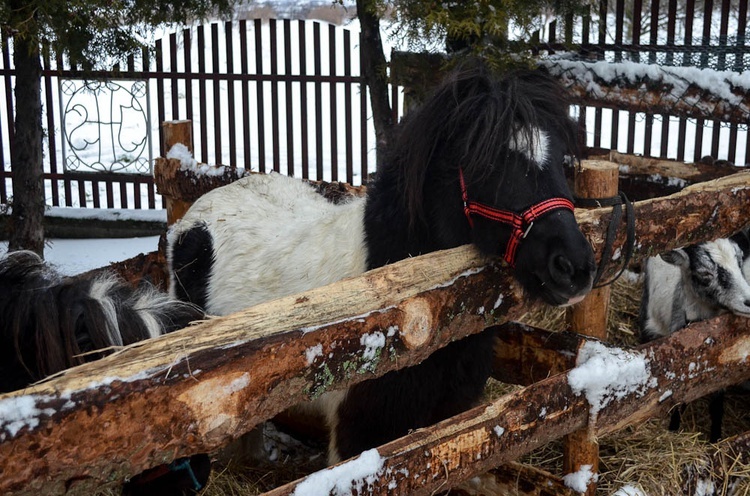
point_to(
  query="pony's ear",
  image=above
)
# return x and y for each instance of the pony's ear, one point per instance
(678, 257)
(742, 238)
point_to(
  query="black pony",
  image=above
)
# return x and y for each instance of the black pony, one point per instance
(49, 322)
(480, 162)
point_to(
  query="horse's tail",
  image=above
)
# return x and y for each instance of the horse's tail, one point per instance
(49, 322)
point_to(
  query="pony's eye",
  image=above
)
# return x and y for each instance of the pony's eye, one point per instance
(704, 276)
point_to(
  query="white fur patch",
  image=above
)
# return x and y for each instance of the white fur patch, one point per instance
(665, 280)
(263, 224)
(150, 305)
(534, 144)
(100, 291)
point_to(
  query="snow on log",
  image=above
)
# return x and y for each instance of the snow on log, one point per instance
(194, 390)
(609, 389)
(654, 89)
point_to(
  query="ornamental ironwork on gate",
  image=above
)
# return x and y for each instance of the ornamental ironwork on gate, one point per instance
(105, 126)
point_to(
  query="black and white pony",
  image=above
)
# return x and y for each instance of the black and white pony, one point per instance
(50, 322)
(480, 162)
(693, 283)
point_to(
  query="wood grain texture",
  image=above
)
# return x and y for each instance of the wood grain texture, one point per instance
(475, 441)
(196, 389)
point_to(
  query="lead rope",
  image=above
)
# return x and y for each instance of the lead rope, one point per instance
(616, 202)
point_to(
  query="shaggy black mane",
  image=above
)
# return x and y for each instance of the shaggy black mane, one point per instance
(469, 122)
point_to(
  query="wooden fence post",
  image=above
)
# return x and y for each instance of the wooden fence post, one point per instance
(593, 179)
(175, 132)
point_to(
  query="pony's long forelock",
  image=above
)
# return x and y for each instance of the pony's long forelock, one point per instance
(485, 118)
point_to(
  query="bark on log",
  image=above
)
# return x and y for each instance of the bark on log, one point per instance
(593, 179)
(189, 184)
(194, 390)
(452, 451)
(656, 93)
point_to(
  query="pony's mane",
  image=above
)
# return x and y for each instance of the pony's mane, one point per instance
(49, 322)
(472, 120)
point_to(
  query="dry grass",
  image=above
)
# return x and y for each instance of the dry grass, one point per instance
(649, 455)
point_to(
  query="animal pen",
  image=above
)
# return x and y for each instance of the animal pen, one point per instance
(195, 390)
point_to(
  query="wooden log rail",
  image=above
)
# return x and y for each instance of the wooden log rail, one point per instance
(687, 365)
(661, 91)
(700, 359)
(194, 390)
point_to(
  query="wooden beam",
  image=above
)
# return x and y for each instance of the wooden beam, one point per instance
(175, 132)
(655, 93)
(593, 179)
(639, 165)
(696, 213)
(525, 354)
(194, 390)
(452, 451)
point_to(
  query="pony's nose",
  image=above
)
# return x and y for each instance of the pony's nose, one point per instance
(561, 268)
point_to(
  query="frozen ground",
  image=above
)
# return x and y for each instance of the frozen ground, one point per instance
(73, 256)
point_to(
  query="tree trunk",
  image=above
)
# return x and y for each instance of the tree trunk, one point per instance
(374, 67)
(27, 229)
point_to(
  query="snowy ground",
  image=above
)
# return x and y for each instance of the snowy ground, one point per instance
(73, 256)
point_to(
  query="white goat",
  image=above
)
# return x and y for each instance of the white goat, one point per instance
(694, 283)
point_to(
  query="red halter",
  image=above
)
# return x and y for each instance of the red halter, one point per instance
(520, 224)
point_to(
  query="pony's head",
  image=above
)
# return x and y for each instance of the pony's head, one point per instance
(482, 161)
(50, 322)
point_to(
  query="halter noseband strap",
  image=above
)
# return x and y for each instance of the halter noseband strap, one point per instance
(520, 224)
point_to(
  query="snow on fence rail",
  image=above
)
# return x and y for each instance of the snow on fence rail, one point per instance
(194, 390)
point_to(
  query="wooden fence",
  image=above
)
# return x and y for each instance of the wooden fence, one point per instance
(150, 403)
(244, 83)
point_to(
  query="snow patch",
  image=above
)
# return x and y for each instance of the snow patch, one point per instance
(628, 490)
(604, 374)
(579, 481)
(313, 352)
(498, 302)
(343, 479)
(238, 384)
(373, 343)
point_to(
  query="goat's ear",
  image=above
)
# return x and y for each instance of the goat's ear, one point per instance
(678, 257)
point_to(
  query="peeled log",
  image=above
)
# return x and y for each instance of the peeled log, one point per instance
(654, 93)
(150, 403)
(475, 441)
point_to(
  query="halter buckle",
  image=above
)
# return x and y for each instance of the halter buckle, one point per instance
(528, 229)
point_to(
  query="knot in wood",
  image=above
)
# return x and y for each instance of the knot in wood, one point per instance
(417, 325)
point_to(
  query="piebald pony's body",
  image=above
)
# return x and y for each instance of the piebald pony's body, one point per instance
(482, 150)
(323, 241)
